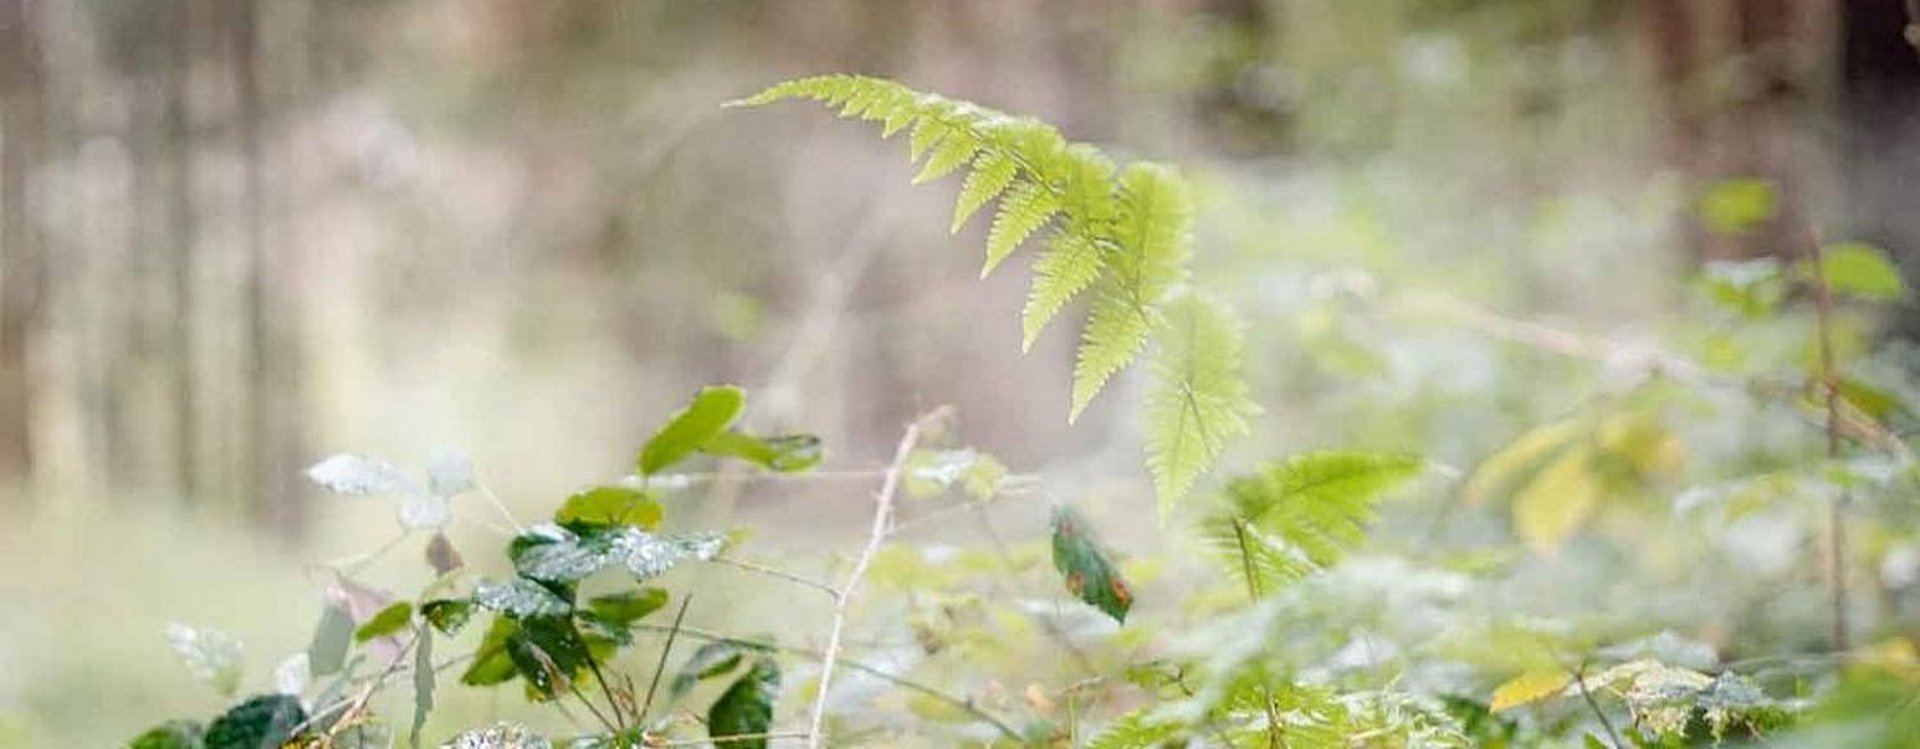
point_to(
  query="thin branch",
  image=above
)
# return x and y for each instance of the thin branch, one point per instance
(1580, 680)
(661, 667)
(1836, 505)
(359, 703)
(779, 573)
(882, 520)
(736, 738)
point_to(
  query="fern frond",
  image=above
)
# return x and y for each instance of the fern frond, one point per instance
(1070, 264)
(1200, 400)
(1023, 211)
(1319, 503)
(1122, 237)
(1135, 730)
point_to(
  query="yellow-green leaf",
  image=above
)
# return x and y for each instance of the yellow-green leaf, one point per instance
(1558, 501)
(1528, 688)
(713, 409)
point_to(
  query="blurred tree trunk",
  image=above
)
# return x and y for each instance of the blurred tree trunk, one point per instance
(182, 234)
(22, 269)
(1881, 127)
(1741, 84)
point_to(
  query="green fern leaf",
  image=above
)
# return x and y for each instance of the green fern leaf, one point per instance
(1135, 730)
(1151, 235)
(1022, 212)
(992, 175)
(1320, 502)
(926, 133)
(1071, 263)
(953, 152)
(1200, 401)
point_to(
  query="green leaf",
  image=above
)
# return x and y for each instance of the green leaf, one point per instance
(327, 652)
(1089, 574)
(1861, 270)
(491, 662)
(953, 151)
(519, 598)
(423, 682)
(713, 659)
(173, 734)
(1500, 472)
(746, 709)
(213, 656)
(787, 453)
(611, 505)
(626, 608)
(388, 621)
(713, 409)
(549, 654)
(262, 722)
(1558, 501)
(1737, 205)
(447, 615)
(1878, 403)
(1200, 401)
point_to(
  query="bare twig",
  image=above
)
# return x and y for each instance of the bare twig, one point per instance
(359, 704)
(965, 705)
(882, 519)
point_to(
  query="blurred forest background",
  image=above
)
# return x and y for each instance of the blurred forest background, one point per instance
(239, 235)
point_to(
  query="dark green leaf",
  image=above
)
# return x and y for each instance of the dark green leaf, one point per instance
(610, 505)
(629, 607)
(327, 652)
(549, 653)
(746, 709)
(788, 453)
(447, 615)
(711, 660)
(389, 620)
(520, 597)
(173, 734)
(713, 409)
(262, 722)
(491, 663)
(1089, 574)
(422, 682)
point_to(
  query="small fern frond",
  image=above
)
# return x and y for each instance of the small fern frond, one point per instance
(1200, 400)
(1135, 730)
(1320, 503)
(1070, 264)
(1150, 235)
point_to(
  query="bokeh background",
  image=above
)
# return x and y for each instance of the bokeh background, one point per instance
(237, 236)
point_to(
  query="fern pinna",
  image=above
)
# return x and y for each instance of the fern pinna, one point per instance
(1120, 236)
